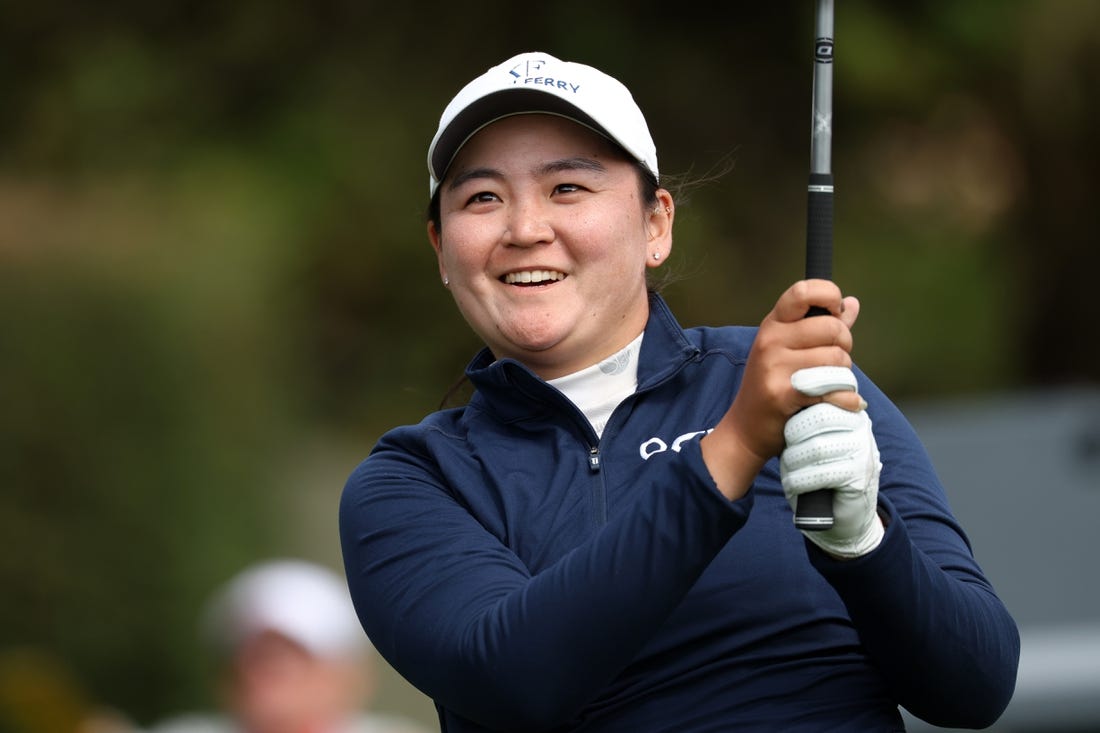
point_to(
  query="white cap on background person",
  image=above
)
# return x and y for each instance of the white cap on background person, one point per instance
(536, 82)
(306, 603)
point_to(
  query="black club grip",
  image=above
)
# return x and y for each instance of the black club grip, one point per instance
(815, 509)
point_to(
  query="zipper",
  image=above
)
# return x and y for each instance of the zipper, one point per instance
(599, 490)
(594, 459)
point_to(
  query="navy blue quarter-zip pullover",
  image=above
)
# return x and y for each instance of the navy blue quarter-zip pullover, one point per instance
(529, 576)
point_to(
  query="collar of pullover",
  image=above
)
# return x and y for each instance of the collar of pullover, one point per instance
(513, 392)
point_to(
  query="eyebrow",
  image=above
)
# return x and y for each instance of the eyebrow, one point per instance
(473, 173)
(572, 164)
(554, 166)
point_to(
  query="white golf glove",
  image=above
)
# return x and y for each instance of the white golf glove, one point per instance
(832, 448)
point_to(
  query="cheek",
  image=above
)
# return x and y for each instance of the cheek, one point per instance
(620, 243)
(465, 245)
(456, 256)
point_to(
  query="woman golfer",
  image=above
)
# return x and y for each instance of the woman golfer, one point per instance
(602, 538)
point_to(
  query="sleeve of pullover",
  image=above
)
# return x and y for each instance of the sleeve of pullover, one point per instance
(460, 615)
(924, 610)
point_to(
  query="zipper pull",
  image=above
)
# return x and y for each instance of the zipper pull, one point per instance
(594, 459)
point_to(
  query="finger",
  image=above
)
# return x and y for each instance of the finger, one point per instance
(821, 449)
(821, 380)
(809, 333)
(797, 300)
(819, 419)
(850, 401)
(831, 475)
(830, 356)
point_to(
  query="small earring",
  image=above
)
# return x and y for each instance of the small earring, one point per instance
(656, 255)
(657, 210)
(446, 281)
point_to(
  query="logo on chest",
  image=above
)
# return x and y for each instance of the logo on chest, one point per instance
(656, 445)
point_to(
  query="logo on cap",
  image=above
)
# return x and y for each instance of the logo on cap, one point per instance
(526, 73)
(529, 67)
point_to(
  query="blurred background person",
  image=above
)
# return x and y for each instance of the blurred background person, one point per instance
(291, 657)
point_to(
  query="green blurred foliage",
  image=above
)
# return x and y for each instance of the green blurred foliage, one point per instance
(216, 292)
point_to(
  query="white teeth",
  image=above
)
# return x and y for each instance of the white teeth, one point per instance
(533, 276)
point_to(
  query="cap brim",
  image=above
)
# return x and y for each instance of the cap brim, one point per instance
(495, 106)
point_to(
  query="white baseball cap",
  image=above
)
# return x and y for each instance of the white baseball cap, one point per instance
(536, 82)
(306, 603)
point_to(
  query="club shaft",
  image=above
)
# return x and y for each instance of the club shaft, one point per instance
(821, 137)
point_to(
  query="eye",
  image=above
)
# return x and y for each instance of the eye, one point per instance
(568, 188)
(482, 197)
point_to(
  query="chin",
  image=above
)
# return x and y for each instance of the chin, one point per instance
(536, 338)
(539, 355)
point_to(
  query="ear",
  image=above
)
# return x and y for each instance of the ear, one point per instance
(437, 244)
(659, 229)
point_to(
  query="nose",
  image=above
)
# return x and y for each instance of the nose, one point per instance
(528, 224)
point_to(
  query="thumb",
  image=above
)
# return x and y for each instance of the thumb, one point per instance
(849, 311)
(834, 385)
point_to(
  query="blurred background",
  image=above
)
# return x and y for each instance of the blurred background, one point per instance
(216, 291)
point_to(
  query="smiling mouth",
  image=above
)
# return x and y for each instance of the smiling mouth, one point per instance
(533, 277)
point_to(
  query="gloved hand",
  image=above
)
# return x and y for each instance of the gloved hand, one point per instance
(832, 448)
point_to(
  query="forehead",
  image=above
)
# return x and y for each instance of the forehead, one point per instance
(532, 137)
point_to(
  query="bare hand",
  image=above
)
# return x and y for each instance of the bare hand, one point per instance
(751, 432)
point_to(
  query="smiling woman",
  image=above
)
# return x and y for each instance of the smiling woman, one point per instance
(602, 538)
